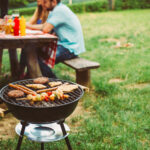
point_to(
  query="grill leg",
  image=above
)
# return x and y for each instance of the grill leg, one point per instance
(24, 124)
(42, 146)
(64, 133)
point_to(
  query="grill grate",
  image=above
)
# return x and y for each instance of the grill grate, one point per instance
(73, 96)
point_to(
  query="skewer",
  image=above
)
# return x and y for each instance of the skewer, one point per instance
(46, 90)
(21, 99)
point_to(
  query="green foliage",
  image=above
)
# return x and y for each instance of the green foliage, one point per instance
(24, 11)
(84, 5)
(102, 5)
(96, 6)
(131, 4)
(17, 3)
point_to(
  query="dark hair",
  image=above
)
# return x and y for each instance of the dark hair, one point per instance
(39, 13)
(58, 1)
(40, 9)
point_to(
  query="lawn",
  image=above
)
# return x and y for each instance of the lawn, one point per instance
(116, 112)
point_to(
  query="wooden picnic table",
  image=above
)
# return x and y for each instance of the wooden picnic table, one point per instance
(30, 43)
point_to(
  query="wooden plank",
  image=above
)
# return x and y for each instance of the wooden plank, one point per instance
(1, 55)
(81, 64)
(14, 63)
(24, 41)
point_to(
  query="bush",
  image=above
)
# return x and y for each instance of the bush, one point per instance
(131, 4)
(24, 11)
(96, 6)
(17, 3)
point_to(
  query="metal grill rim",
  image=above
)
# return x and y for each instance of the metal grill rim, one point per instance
(75, 96)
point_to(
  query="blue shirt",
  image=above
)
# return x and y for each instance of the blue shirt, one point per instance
(39, 21)
(68, 28)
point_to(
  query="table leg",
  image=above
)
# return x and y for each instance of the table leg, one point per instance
(14, 62)
(1, 55)
(32, 62)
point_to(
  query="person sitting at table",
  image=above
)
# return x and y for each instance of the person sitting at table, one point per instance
(67, 27)
(39, 17)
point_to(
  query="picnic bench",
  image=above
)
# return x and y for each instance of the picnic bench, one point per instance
(82, 67)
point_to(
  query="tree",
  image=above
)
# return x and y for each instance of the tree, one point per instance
(70, 1)
(111, 4)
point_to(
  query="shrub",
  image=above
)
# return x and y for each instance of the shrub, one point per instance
(93, 6)
(131, 4)
(96, 6)
(77, 8)
(17, 3)
(25, 11)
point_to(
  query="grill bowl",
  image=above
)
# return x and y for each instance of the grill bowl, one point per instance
(41, 112)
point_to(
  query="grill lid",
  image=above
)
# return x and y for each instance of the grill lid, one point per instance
(73, 96)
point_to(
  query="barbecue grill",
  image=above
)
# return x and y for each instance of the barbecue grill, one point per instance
(41, 112)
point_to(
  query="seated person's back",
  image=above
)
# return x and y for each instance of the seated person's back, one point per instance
(68, 28)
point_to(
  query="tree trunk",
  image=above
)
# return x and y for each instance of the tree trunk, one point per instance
(111, 4)
(3, 8)
(70, 2)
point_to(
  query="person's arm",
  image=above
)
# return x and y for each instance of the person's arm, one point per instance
(46, 27)
(34, 17)
(34, 26)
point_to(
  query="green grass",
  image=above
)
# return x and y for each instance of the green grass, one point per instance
(114, 117)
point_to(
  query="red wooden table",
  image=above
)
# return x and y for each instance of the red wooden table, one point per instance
(30, 43)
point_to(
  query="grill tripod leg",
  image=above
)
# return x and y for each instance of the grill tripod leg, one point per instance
(24, 124)
(64, 133)
(42, 146)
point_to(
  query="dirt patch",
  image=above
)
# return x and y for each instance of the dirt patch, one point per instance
(119, 43)
(137, 86)
(116, 80)
(7, 127)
